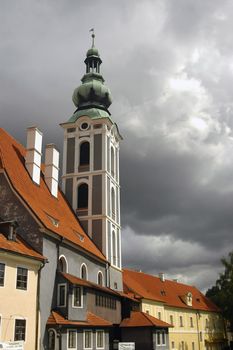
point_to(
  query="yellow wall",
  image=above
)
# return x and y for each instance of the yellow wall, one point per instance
(17, 303)
(188, 337)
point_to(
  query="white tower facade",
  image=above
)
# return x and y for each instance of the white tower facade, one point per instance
(91, 166)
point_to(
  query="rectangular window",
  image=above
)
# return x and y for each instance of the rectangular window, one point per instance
(61, 295)
(158, 342)
(87, 339)
(20, 330)
(77, 297)
(182, 345)
(22, 278)
(72, 339)
(193, 346)
(171, 320)
(100, 339)
(181, 321)
(159, 315)
(2, 274)
(191, 322)
(173, 345)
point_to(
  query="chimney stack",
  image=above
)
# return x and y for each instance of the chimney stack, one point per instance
(33, 155)
(162, 277)
(51, 168)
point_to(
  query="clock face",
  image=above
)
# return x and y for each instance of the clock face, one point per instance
(84, 126)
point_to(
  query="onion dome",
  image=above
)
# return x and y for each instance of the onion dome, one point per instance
(92, 93)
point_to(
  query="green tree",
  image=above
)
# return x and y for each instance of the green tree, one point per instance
(222, 293)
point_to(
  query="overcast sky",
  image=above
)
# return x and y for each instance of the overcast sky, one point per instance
(169, 65)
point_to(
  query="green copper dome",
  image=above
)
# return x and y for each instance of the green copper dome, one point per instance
(92, 93)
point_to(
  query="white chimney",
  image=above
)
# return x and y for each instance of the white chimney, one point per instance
(33, 155)
(51, 168)
(161, 276)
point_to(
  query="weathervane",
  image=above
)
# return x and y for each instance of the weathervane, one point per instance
(93, 36)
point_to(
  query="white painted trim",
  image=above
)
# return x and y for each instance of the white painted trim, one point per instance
(58, 294)
(73, 330)
(84, 331)
(103, 332)
(80, 274)
(81, 291)
(62, 256)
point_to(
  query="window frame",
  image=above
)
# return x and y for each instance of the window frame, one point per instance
(4, 274)
(80, 184)
(58, 294)
(83, 264)
(18, 318)
(24, 268)
(191, 322)
(68, 332)
(103, 332)
(181, 321)
(63, 258)
(84, 332)
(81, 296)
(102, 277)
(55, 335)
(89, 151)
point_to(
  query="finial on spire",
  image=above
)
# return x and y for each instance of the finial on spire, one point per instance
(93, 36)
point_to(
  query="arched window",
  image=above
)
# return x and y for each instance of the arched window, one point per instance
(100, 278)
(52, 339)
(114, 248)
(113, 201)
(82, 196)
(84, 153)
(63, 264)
(112, 162)
(83, 272)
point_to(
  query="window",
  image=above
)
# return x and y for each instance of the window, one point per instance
(171, 320)
(114, 248)
(52, 339)
(159, 315)
(100, 278)
(88, 339)
(191, 322)
(77, 297)
(112, 162)
(61, 295)
(84, 153)
(83, 272)
(105, 301)
(182, 345)
(193, 346)
(161, 338)
(22, 278)
(113, 200)
(181, 321)
(63, 264)
(173, 345)
(82, 196)
(72, 339)
(201, 338)
(2, 274)
(20, 330)
(100, 339)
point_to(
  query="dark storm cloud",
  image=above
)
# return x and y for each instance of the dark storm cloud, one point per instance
(169, 67)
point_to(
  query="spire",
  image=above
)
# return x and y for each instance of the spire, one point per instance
(93, 93)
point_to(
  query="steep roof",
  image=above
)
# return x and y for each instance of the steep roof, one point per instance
(92, 320)
(39, 199)
(141, 319)
(19, 246)
(169, 292)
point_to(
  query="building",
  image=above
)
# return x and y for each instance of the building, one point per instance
(197, 322)
(20, 267)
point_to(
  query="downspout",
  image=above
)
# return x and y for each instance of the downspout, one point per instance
(38, 304)
(198, 333)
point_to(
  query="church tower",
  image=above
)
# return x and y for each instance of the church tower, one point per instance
(91, 165)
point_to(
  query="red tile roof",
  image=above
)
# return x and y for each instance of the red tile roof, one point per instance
(141, 319)
(39, 198)
(169, 292)
(78, 281)
(19, 247)
(92, 321)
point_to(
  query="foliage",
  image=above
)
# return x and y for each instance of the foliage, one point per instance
(222, 293)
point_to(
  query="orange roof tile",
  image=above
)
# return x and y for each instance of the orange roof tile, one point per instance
(141, 319)
(92, 320)
(39, 198)
(169, 292)
(75, 280)
(19, 247)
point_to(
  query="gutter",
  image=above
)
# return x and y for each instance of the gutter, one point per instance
(38, 304)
